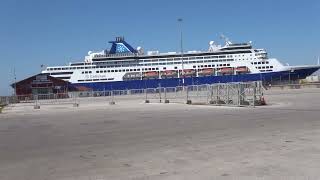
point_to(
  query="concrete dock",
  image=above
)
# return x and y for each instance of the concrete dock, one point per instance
(134, 140)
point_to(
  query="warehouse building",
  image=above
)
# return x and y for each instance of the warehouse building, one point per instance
(40, 84)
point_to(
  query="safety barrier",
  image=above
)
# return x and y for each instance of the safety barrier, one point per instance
(222, 94)
(227, 94)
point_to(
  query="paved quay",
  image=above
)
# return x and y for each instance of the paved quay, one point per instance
(133, 140)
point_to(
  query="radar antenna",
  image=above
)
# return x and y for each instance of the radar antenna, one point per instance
(228, 42)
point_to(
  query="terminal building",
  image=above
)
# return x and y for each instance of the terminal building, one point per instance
(40, 84)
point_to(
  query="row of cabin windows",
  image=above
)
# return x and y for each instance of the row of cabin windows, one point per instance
(264, 67)
(268, 70)
(240, 55)
(154, 69)
(261, 62)
(105, 79)
(126, 70)
(186, 58)
(149, 64)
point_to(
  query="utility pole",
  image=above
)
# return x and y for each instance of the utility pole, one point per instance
(15, 82)
(180, 20)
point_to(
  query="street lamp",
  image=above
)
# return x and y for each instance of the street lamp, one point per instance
(180, 20)
(15, 82)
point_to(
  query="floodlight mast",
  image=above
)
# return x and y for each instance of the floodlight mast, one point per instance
(180, 20)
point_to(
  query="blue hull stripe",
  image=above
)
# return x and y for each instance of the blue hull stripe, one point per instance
(173, 82)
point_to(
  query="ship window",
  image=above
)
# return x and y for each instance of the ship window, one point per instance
(135, 69)
(213, 65)
(176, 67)
(228, 64)
(82, 72)
(194, 66)
(209, 65)
(205, 65)
(97, 71)
(259, 62)
(108, 70)
(164, 68)
(157, 68)
(105, 71)
(101, 71)
(112, 70)
(271, 66)
(153, 69)
(267, 62)
(90, 72)
(149, 69)
(115, 70)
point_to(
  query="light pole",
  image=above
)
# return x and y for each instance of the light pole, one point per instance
(15, 82)
(180, 20)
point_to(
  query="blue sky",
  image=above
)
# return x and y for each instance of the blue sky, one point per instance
(36, 32)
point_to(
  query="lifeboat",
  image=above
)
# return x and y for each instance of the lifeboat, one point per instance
(242, 69)
(189, 72)
(151, 74)
(169, 73)
(206, 71)
(226, 70)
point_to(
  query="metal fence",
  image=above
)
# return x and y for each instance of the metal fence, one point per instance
(227, 94)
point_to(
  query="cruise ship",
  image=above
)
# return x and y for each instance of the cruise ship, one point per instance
(124, 67)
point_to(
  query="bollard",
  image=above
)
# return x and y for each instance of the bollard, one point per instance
(187, 95)
(146, 100)
(75, 105)
(36, 106)
(112, 99)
